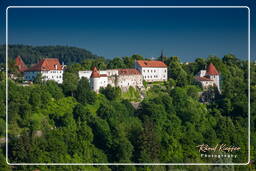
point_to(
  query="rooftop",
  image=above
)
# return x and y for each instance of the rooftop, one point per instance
(21, 65)
(47, 64)
(211, 70)
(157, 64)
(130, 71)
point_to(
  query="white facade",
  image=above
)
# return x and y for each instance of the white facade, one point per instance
(123, 78)
(152, 74)
(49, 68)
(87, 74)
(55, 75)
(97, 83)
(209, 78)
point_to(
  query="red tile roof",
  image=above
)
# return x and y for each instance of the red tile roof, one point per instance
(21, 65)
(203, 79)
(95, 73)
(156, 64)
(211, 70)
(128, 72)
(47, 64)
(103, 75)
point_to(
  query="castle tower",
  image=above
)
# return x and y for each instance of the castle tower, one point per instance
(214, 75)
(95, 79)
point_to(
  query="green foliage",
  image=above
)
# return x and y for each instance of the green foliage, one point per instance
(32, 54)
(47, 125)
(70, 82)
(176, 72)
(132, 94)
(84, 93)
(110, 92)
(38, 79)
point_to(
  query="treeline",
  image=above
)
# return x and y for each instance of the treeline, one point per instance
(33, 54)
(70, 123)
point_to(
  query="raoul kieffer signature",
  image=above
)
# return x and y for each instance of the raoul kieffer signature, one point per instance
(217, 147)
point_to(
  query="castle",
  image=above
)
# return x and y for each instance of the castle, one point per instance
(209, 78)
(49, 68)
(149, 71)
(144, 70)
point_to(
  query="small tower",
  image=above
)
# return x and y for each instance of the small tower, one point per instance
(162, 55)
(214, 75)
(95, 80)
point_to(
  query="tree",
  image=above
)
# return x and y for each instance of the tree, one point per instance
(116, 63)
(81, 113)
(176, 72)
(38, 79)
(110, 92)
(53, 88)
(70, 81)
(84, 93)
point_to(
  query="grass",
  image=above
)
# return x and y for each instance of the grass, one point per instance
(132, 95)
(93, 108)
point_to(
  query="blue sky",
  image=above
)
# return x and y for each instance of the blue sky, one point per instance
(187, 33)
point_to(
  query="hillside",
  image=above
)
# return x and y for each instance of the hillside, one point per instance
(32, 54)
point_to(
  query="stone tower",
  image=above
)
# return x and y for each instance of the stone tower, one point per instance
(214, 75)
(95, 80)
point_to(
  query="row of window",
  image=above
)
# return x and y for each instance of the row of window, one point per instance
(150, 76)
(53, 76)
(144, 70)
(33, 77)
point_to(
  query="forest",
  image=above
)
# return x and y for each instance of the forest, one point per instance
(32, 54)
(69, 123)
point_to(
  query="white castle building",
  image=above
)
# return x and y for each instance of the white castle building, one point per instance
(124, 78)
(50, 68)
(152, 70)
(209, 77)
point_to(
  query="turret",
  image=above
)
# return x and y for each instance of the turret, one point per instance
(94, 79)
(214, 75)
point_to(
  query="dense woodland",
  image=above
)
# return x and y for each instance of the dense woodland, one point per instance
(54, 123)
(32, 54)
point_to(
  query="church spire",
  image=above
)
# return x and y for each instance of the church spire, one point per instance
(162, 55)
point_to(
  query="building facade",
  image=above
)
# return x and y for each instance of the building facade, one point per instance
(50, 69)
(209, 78)
(152, 70)
(123, 78)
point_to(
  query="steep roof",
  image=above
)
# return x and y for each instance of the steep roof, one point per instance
(156, 64)
(211, 70)
(47, 64)
(129, 71)
(21, 65)
(95, 73)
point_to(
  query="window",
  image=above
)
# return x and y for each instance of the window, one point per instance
(154, 70)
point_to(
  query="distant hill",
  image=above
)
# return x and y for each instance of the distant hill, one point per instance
(32, 54)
